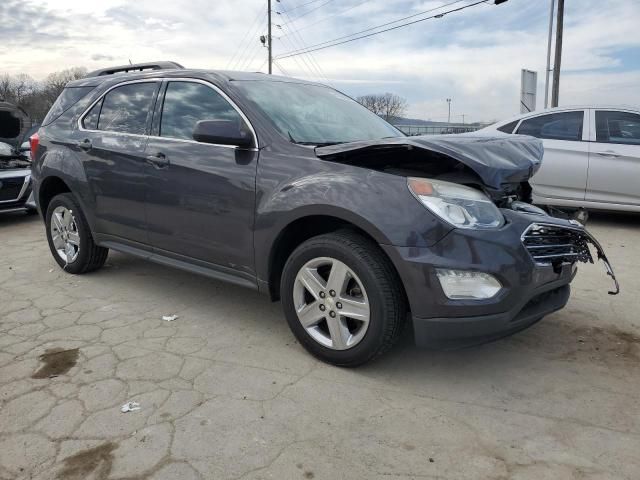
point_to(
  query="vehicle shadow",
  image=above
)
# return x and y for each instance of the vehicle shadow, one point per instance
(614, 219)
(17, 218)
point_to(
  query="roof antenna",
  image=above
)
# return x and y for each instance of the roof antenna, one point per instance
(130, 62)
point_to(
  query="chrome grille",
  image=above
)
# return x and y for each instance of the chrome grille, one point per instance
(553, 244)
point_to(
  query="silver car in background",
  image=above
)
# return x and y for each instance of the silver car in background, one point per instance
(591, 156)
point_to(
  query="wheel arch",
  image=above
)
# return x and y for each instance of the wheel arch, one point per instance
(302, 229)
(49, 188)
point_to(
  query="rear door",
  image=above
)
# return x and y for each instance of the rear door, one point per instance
(201, 196)
(614, 158)
(112, 141)
(563, 174)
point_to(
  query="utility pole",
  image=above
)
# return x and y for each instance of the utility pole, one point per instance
(449, 116)
(269, 36)
(555, 89)
(548, 71)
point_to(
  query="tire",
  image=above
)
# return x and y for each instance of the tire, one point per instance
(84, 257)
(371, 281)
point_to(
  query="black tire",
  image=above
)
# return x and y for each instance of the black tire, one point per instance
(90, 257)
(387, 301)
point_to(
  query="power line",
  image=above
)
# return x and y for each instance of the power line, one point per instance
(310, 11)
(246, 51)
(244, 38)
(316, 66)
(300, 6)
(309, 25)
(319, 46)
(390, 23)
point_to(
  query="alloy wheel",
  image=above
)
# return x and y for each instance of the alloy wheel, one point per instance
(64, 234)
(331, 303)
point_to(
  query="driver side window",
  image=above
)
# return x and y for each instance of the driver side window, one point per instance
(187, 103)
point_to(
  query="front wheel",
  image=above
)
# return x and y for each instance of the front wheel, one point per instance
(70, 238)
(342, 298)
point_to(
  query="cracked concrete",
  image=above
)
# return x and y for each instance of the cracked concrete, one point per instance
(227, 393)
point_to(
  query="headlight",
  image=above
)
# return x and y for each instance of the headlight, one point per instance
(462, 207)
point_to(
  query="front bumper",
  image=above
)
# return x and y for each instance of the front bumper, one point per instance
(22, 199)
(530, 290)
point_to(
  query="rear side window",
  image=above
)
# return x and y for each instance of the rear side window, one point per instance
(90, 120)
(508, 128)
(617, 127)
(125, 109)
(554, 126)
(186, 103)
(68, 98)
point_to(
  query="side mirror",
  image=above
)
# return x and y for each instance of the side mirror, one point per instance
(25, 147)
(222, 132)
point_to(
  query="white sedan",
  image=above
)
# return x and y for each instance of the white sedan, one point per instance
(591, 156)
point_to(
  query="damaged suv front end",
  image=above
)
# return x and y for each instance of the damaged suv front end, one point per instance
(15, 165)
(504, 264)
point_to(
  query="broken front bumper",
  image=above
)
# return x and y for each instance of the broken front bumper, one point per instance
(534, 258)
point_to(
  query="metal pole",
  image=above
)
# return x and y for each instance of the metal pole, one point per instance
(269, 35)
(555, 89)
(546, 83)
(449, 116)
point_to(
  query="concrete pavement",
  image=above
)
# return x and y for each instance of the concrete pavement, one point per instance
(226, 392)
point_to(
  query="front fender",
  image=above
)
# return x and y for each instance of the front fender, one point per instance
(378, 203)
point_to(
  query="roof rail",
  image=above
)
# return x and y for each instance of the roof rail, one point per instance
(136, 67)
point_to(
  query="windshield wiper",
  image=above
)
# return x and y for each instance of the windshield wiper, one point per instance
(315, 144)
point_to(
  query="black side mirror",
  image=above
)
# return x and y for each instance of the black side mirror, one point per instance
(222, 132)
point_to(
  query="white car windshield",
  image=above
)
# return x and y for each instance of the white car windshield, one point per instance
(313, 114)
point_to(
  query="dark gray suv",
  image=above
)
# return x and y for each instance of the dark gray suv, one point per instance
(296, 190)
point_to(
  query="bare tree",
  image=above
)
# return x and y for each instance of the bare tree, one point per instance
(387, 105)
(55, 82)
(34, 97)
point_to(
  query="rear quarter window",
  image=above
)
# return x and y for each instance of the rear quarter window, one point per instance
(509, 127)
(67, 99)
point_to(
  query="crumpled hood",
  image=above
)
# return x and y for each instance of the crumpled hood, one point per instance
(14, 123)
(498, 159)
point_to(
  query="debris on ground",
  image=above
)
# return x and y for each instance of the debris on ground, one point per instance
(169, 318)
(130, 407)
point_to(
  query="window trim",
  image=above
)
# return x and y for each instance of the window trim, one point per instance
(101, 97)
(161, 80)
(585, 123)
(222, 94)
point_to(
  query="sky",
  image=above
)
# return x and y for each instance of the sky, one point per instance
(473, 56)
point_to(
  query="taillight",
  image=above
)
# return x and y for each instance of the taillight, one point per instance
(34, 141)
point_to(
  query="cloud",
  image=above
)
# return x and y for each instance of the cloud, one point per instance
(473, 56)
(98, 57)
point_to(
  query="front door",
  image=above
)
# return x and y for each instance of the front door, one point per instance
(111, 143)
(201, 197)
(614, 159)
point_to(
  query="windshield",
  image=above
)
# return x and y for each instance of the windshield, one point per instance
(315, 115)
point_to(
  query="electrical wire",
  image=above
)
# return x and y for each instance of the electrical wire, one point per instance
(246, 34)
(334, 42)
(309, 25)
(300, 6)
(312, 61)
(311, 11)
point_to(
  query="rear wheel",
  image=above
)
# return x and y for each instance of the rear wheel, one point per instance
(342, 298)
(69, 236)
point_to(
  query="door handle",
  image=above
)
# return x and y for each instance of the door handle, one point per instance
(158, 160)
(608, 153)
(85, 144)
